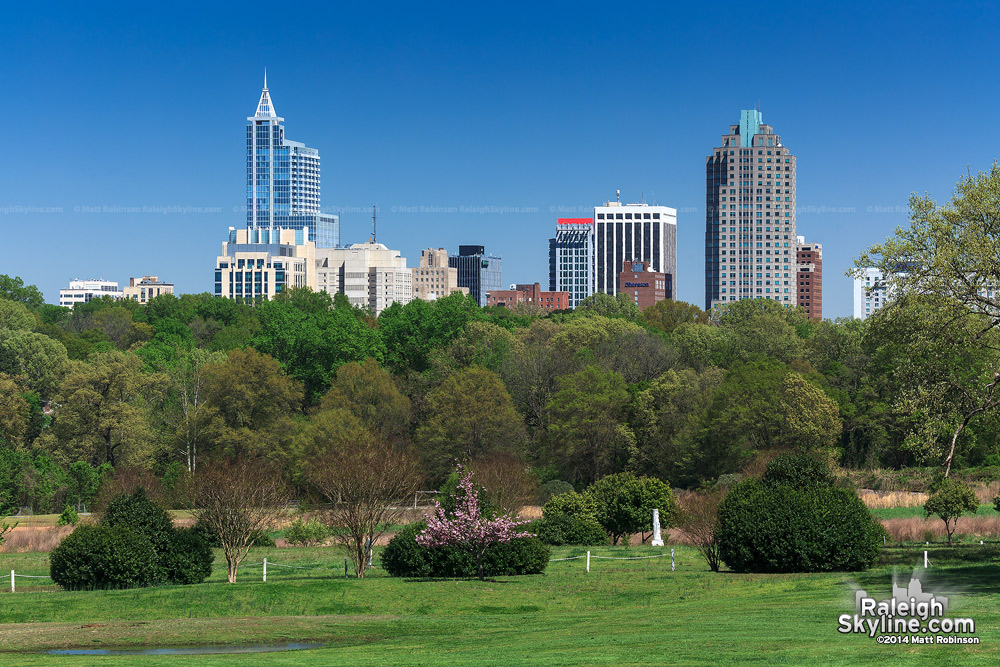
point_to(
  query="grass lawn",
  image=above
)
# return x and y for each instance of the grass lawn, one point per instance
(907, 512)
(622, 613)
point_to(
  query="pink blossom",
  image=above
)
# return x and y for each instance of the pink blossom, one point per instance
(467, 528)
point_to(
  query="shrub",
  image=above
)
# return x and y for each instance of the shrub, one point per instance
(996, 504)
(625, 503)
(555, 487)
(137, 512)
(571, 503)
(188, 558)
(564, 529)
(69, 517)
(403, 557)
(797, 470)
(104, 557)
(306, 532)
(780, 528)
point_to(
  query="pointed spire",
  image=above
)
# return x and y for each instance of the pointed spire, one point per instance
(265, 108)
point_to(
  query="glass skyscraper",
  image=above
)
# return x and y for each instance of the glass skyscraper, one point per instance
(571, 259)
(283, 180)
(480, 272)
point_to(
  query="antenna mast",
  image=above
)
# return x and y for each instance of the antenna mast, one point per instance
(373, 223)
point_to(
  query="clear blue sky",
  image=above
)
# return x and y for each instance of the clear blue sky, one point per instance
(538, 106)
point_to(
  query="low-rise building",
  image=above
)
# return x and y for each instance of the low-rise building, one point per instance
(146, 288)
(261, 263)
(434, 278)
(532, 294)
(370, 275)
(644, 286)
(84, 291)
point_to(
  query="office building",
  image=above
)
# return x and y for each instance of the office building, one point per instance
(434, 278)
(84, 291)
(750, 242)
(260, 264)
(283, 179)
(633, 232)
(480, 272)
(870, 293)
(571, 259)
(646, 287)
(530, 294)
(146, 288)
(809, 277)
(369, 274)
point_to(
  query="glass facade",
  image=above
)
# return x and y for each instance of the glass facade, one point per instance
(571, 259)
(283, 180)
(480, 272)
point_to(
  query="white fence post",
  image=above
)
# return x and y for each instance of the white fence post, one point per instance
(927, 563)
(12, 572)
(12, 581)
(265, 570)
(672, 566)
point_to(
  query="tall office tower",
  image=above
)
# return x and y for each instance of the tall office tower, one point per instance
(571, 259)
(283, 179)
(809, 277)
(480, 272)
(750, 216)
(870, 293)
(434, 278)
(633, 233)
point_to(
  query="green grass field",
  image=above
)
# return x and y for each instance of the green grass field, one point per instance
(623, 612)
(908, 512)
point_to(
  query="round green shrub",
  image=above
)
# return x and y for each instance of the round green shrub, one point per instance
(94, 557)
(780, 528)
(571, 503)
(140, 514)
(188, 558)
(403, 557)
(625, 503)
(69, 517)
(563, 529)
(798, 470)
(555, 487)
(306, 532)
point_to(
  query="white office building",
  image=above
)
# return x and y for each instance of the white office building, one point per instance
(84, 291)
(370, 275)
(633, 232)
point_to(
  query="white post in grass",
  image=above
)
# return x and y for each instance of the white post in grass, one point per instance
(12, 571)
(265, 570)
(672, 565)
(927, 563)
(12, 581)
(657, 538)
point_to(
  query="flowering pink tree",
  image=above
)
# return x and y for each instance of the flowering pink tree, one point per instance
(467, 528)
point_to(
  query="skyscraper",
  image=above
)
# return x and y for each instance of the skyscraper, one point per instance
(283, 179)
(571, 259)
(750, 244)
(480, 272)
(633, 233)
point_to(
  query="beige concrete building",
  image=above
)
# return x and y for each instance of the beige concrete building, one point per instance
(261, 263)
(146, 288)
(434, 278)
(370, 275)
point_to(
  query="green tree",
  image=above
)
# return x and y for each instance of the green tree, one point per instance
(40, 360)
(625, 504)
(410, 332)
(104, 410)
(369, 392)
(950, 501)
(587, 434)
(470, 414)
(185, 410)
(14, 289)
(15, 316)
(14, 412)
(619, 306)
(668, 314)
(82, 480)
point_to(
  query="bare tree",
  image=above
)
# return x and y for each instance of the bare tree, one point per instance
(507, 481)
(699, 519)
(237, 499)
(368, 482)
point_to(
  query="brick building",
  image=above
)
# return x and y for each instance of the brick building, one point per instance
(809, 277)
(528, 294)
(644, 286)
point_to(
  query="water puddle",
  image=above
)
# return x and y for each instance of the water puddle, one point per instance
(187, 650)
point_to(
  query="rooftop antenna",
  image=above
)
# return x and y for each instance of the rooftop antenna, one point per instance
(373, 223)
(619, 196)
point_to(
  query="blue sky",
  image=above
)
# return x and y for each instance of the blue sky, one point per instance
(548, 107)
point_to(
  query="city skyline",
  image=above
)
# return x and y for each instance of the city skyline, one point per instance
(472, 129)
